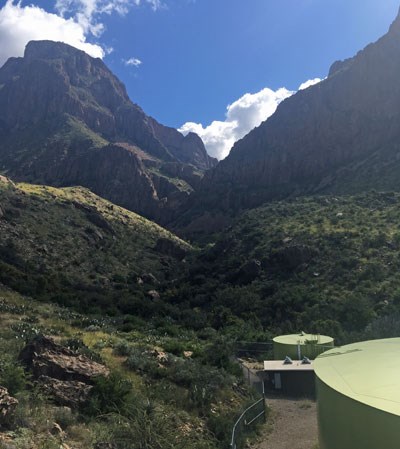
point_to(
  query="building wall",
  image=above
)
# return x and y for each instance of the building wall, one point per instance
(293, 383)
(347, 424)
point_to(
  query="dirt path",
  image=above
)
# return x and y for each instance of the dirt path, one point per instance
(292, 424)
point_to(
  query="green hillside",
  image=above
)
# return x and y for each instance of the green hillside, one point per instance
(74, 248)
(172, 384)
(163, 391)
(321, 264)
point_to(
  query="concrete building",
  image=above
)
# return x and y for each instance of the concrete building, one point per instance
(294, 379)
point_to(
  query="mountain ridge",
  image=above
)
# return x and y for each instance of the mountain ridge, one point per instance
(338, 136)
(59, 107)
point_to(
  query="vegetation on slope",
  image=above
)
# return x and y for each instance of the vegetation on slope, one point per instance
(322, 264)
(158, 395)
(71, 247)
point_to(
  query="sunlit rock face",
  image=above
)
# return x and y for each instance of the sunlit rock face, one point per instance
(66, 119)
(341, 135)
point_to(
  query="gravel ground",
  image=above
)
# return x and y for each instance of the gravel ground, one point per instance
(292, 424)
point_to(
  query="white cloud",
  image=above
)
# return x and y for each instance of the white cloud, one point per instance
(309, 83)
(19, 25)
(86, 12)
(76, 19)
(135, 62)
(242, 116)
(155, 4)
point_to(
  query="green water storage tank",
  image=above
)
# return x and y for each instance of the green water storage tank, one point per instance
(297, 346)
(358, 394)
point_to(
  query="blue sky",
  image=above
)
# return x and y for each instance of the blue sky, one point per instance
(190, 59)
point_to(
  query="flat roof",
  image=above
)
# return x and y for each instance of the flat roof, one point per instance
(303, 339)
(368, 372)
(278, 365)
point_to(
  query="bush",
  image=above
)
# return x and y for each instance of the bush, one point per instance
(112, 394)
(13, 377)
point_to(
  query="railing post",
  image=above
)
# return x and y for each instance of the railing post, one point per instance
(263, 395)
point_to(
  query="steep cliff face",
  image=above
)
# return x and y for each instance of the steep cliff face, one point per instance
(65, 119)
(341, 135)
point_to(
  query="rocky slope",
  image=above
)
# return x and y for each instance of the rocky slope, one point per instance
(65, 119)
(72, 247)
(325, 263)
(341, 135)
(150, 396)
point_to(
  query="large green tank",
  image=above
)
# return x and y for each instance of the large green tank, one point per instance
(297, 346)
(358, 394)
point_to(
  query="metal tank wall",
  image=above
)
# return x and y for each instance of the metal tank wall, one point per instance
(345, 423)
(312, 350)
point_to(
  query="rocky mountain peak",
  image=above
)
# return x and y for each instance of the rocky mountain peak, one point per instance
(51, 50)
(395, 27)
(340, 135)
(66, 119)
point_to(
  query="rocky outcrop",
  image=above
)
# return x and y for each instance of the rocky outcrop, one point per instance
(63, 374)
(65, 119)
(8, 405)
(341, 135)
(182, 171)
(71, 393)
(95, 217)
(44, 357)
(188, 149)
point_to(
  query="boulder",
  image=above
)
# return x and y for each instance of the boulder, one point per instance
(70, 393)
(153, 294)
(44, 357)
(7, 405)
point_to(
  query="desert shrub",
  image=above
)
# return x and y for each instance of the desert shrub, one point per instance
(13, 376)
(139, 360)
(175, 347)
(221, 427)
(219, 354)
(112, 394)
(65, 417)
(77, 345)
(122, 348)
(203, 382)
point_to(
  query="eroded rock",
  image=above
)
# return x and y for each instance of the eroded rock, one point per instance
(44, 357)
(8, 404)
(153, 294)
(63, 374)
(70, 393)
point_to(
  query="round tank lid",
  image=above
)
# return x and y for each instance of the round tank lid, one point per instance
(368, 372)
(303, 338)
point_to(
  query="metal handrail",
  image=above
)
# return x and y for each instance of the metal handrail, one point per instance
(239, 420)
